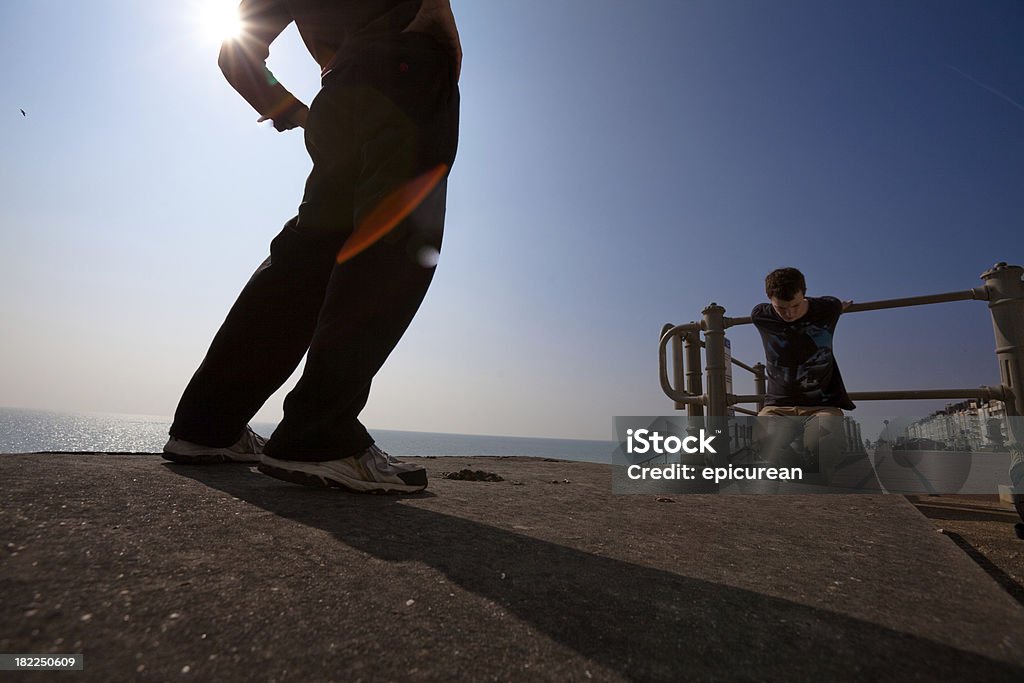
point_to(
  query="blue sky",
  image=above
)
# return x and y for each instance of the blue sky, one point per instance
(621, 165)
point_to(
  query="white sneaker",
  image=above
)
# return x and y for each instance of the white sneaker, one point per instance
(372, 471)
(248, 448)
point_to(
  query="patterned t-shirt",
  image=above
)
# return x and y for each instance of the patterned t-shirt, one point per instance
(801, 369)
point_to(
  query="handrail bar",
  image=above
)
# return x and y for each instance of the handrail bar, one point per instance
(734, 361)
(744, 366)
(976, 294)
(979, 393)
(681, 395)
(677, 395)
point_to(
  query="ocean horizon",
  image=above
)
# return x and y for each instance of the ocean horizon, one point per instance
(24, 430)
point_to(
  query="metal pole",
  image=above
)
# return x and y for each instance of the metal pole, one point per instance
(980, 392)
(694, 382)
(674, 392)
(741, 364)
(677, 361)
(916, 394)
(760, 384)
(1006, 302)
(677, 366)
(979, 293)
(714, 341)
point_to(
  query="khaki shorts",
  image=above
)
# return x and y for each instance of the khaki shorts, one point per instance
(819, 428)
(800, 411)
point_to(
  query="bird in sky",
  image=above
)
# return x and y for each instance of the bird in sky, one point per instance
(23, 112)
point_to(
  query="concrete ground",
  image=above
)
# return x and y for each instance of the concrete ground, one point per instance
(157, 571)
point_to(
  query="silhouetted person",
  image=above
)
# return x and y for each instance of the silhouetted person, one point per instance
(385, 118)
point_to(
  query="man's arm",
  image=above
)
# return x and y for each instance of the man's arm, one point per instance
(244, 63)
(435, 17)
(836, 304)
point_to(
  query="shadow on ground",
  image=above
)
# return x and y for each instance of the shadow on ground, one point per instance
(639, 622)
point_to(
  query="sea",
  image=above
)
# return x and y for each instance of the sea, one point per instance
(38, 431)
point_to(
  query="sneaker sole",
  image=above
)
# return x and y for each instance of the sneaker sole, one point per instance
(209, 458)
(334, 480)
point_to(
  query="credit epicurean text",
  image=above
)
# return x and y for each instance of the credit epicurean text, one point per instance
(716, 474)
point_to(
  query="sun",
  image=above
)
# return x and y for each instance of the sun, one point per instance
(218, 20)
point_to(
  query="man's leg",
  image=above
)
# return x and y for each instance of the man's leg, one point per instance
(258, 346)
(270, 326)
(404, 107)
(369, 304)
(774, 431)
(824, 439)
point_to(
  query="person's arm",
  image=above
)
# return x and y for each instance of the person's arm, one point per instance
(835, 304)
(435, 17)
(244, 63)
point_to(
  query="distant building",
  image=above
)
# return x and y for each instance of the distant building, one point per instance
(854, 439)
(974, 425)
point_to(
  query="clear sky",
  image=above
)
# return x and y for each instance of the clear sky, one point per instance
(621, 165)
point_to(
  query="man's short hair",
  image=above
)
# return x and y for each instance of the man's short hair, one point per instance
(785, 284)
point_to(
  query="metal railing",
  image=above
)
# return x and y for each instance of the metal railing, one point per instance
(1003, 289)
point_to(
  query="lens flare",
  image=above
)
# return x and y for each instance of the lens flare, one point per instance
(428, 257)
(219, 20)
(391, 210)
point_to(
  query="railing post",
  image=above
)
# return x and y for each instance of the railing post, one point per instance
(1006, 302)
(760, 384)
(694, 381)
(714, 341)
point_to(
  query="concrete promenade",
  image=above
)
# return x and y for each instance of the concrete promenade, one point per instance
(164, 572)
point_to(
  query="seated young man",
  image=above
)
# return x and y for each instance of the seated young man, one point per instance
(803, 381)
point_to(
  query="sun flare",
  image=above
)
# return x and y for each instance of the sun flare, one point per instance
(218, 20)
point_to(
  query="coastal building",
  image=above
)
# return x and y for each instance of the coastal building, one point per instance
(974, 424)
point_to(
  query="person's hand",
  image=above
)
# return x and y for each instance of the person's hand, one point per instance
(296, 118)
(435, 18)
(299, 117)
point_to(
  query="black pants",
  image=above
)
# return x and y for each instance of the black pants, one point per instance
(388, 114)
